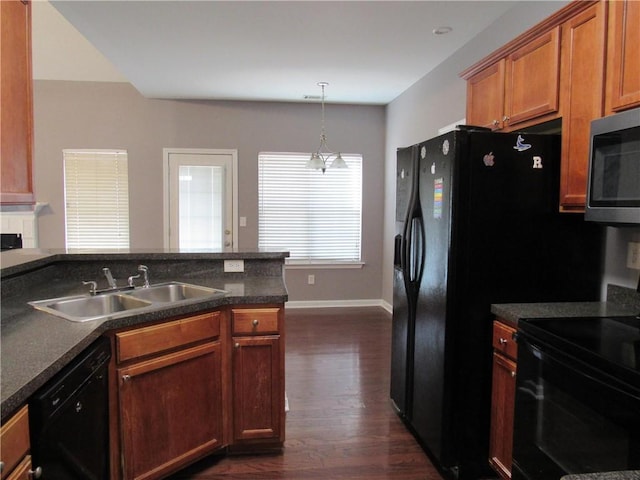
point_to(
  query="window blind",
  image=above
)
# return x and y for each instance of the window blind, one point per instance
(96, 189)
(316, 217)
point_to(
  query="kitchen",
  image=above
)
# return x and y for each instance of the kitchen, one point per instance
(370, 130)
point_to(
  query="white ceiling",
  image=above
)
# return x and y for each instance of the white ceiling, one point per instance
(368, 51)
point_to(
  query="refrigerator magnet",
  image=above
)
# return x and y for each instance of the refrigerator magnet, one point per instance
(438, 186)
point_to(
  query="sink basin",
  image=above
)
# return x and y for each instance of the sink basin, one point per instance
(174, 292)
(84, 308)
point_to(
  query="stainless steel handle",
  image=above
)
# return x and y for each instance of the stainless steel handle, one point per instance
(255, 322)
(35, 473)
(503, 341)
(126, 378)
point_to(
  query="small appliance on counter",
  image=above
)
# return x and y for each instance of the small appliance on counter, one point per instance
(9, 241)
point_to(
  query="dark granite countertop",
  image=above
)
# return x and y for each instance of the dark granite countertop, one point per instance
(621, 301)
(623, 475)
(36, 345)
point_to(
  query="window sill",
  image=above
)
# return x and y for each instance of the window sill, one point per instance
(319, 264)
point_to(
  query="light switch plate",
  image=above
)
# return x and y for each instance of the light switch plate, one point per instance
(633, 255)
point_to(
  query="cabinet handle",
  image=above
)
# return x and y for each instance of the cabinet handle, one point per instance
(513, 374)
(505, 118)
(255, 322)
(35, 473)
(503, 341)
(126, 378)
(496, 123)
(237, 345)
(1, 467)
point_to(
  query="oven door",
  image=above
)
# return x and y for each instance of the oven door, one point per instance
(571, 418)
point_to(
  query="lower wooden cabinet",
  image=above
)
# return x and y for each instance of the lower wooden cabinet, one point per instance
(171, 407)
(192, 386)
(170, 394)
(14, 447)
(503, 391)
(257, 372)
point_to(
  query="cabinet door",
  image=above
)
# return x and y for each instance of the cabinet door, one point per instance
(14, 441)
(533, 79)
(485, 97)
(171, 410)
(623, 57)
(583, 48)
(16, 111)
(503, 390)
(258, 395)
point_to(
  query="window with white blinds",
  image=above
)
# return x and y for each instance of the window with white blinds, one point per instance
(96, 190)
(316, 217)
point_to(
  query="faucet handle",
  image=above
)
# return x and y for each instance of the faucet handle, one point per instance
(131, 279)
(94, 286)
(145, 272)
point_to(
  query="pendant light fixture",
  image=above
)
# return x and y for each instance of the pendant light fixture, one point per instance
(320, 158)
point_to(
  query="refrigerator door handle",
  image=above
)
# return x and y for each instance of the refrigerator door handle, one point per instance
(419, 251)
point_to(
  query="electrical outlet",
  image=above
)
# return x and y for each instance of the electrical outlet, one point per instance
(234, 265)
(633, 255)
(311, 279)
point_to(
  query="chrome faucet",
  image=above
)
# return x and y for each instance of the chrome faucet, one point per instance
(110, 280)
(145, 273)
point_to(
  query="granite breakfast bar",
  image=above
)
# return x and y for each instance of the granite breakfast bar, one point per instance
(36, 345)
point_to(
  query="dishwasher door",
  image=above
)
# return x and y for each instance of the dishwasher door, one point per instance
(69, 420)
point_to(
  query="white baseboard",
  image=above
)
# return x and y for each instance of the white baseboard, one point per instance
(339, 303)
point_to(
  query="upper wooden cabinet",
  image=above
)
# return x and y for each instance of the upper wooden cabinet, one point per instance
(557, 69)
(16, 103)
(623, 57)
(583, 58)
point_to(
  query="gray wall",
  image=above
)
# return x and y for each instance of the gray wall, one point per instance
(115, 115)
(439, 99)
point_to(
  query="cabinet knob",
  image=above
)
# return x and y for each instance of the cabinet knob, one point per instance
(513, 374)
(237, 345)
(496, 123)
(35, 473)
(505, 118)
(255, 322)
(503, 341)
(126, 378)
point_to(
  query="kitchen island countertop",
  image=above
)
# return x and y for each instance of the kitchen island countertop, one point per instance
(36, 345)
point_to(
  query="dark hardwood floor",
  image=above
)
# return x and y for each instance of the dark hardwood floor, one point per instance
(340, 424)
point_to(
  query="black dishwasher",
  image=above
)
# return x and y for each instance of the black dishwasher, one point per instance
(69, 419)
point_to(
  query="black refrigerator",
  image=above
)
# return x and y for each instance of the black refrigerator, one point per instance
(477, 223)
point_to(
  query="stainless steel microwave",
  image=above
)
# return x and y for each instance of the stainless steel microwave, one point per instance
(613, 188)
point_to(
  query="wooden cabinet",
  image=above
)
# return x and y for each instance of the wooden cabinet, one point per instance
(519, 88)
(170, 394)
(623, 59)
(503, 389)
(16, 103)
(257, 372)
(583, 58)
(14, 447)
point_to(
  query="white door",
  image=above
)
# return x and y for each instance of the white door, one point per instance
(200, 199)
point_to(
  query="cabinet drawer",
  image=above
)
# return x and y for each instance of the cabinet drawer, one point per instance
(14, 440)
(255, 321)
(503, 340)
(166, 336)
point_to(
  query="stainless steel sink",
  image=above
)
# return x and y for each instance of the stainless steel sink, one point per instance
(84, 308)
(174, 292)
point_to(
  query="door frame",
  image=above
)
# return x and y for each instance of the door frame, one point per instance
(165, 187)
